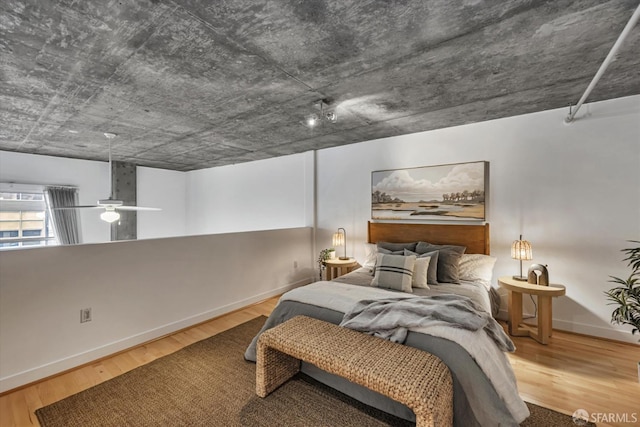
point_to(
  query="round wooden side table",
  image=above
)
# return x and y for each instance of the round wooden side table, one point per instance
(545, 312)
(337, 267)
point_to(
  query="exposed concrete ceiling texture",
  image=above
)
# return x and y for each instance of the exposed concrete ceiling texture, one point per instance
(190, 84)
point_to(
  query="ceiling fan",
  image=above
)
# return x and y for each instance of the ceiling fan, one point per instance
(111, 206)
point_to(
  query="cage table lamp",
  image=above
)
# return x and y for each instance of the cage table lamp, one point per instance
(340, 239)
(521, 250)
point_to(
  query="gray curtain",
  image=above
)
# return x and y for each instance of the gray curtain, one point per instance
(66, 222)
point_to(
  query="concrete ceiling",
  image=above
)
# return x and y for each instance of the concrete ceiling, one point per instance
(190, 84)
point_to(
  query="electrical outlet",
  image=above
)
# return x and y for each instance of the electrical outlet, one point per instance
(85, 315)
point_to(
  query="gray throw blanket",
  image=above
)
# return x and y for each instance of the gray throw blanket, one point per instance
(392, 318)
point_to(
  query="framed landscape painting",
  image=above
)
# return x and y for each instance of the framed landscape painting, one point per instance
(455, 192)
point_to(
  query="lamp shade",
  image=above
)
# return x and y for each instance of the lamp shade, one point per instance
(338, 239)
(521, 249)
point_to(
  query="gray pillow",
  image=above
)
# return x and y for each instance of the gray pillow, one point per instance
(394, 272)
(432, 270)
(397, 246)
(389, 252)
(448, 260)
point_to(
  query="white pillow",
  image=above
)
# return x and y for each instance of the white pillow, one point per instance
(370, 252)
(420, 269)
(477, 268)
(394, 272)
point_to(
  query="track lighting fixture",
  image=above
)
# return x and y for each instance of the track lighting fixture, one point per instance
(326, 114)
(311, 120)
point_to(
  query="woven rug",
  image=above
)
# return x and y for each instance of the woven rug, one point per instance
(210, 384)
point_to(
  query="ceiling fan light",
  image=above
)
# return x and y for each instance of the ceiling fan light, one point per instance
(109, 216)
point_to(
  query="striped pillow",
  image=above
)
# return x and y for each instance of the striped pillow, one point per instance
(394, 272)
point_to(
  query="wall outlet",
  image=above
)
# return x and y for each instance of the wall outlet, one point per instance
(85, 315)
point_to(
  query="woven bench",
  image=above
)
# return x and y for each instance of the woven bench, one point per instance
(408, 375)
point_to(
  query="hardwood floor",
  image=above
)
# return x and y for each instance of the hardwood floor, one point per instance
(572, 372)
(578, 372)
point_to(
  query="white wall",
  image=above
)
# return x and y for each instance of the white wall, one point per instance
(572, 190)
(167, 190)
(138, 291)
(261, 195)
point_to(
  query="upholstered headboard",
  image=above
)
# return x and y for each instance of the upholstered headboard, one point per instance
(474, 237)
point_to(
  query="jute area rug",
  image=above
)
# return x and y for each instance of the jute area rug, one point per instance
(210, 384)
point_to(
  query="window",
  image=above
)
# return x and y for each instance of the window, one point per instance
(24, 220)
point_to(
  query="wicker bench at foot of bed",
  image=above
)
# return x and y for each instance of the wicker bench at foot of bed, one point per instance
(410, 376)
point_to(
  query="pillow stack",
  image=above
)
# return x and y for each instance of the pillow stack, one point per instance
(432, 264)
(390, 255)
(402, 266)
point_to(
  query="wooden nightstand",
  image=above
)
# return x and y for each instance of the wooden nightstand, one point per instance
(516, 288)
(338, 267)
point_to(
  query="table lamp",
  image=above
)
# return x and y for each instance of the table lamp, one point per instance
(521, 250)
(340, 239)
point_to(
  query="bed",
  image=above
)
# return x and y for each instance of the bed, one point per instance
(485, 391)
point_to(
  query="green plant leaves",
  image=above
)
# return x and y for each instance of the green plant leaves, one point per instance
(626, 296)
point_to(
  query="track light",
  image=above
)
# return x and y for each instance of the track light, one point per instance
(314, 119)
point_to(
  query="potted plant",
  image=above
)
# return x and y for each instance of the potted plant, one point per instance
(325, 254)
(626, 296)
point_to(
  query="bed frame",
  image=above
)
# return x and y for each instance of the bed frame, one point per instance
(474, 237)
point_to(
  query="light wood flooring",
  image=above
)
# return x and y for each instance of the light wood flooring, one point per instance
(572, 372)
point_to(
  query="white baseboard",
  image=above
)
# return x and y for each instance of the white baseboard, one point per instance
(52, 368)
(581, 328)
(595, 331)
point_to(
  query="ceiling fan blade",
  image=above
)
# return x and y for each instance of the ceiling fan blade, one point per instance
(78, 207)
(135, 208)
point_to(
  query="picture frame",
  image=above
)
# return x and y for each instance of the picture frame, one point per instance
(450, 192)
